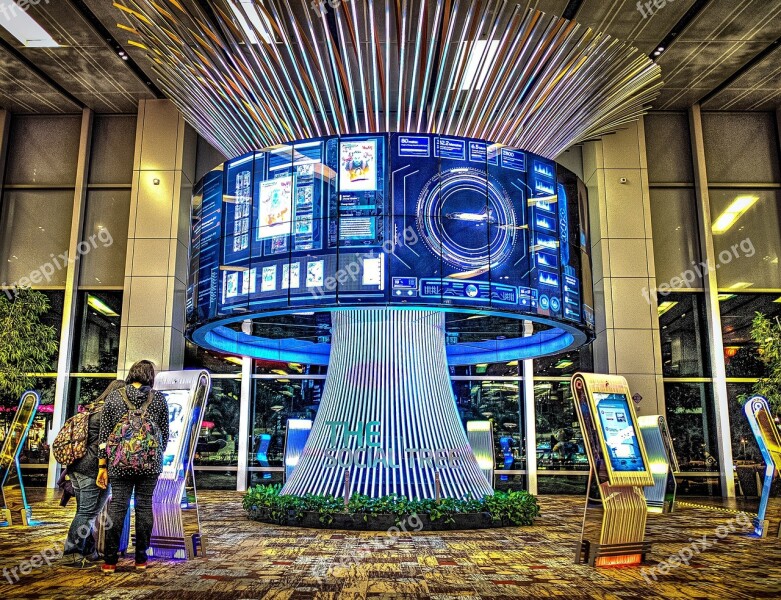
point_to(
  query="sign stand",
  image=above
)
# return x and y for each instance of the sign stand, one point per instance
(177, 528)
(660, 497)
(14, 509)
(766, 432)
(613, 532)
(481, 438)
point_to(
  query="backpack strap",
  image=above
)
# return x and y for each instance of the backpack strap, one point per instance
(150, 397)
(126, 400)
(143, 408)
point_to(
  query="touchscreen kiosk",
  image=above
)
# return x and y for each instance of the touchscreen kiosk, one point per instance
(296, 435)
(14, 509)
(660, 497)
(614, 526)
(177, 529)
(481, 438)
(769, 441)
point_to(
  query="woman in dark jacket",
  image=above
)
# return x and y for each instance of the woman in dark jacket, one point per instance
(90, 499)
(126, 481)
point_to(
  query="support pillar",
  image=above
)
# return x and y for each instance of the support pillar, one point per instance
(65, 357)
(712, 308)
(245, 427)
(627, 320)
(153, 309)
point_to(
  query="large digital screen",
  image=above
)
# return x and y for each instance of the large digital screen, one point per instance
(391, 219)
(619, 432)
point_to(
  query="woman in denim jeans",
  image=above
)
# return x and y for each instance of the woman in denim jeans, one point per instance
(80, 551)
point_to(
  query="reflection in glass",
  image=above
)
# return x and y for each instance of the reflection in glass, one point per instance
(559, 440)
(737, 313)
(500, 403)
(684, 335)
(97, 332)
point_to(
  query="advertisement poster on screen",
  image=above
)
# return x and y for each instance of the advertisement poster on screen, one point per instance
(275, 207)
(358, 166)
(177, 402)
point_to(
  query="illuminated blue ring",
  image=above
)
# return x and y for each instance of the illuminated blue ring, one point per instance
(217, 336)
(433, 196)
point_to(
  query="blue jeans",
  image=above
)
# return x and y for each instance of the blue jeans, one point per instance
(90, 500)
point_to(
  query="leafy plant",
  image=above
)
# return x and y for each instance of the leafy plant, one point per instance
(767, 335)
(26, 344)
(265, 503)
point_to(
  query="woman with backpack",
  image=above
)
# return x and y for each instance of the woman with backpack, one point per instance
(90, 499)
(133, 437)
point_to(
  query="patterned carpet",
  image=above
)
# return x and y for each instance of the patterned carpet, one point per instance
(255, 560)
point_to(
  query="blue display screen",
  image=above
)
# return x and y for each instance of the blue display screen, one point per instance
(619, 432)
(388, 219)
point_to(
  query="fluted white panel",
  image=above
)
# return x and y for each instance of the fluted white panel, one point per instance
(388, 366)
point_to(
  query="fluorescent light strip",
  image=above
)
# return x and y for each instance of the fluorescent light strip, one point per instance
(23, 27)
(733, 212)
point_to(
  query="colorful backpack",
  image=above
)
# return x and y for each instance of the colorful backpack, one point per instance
(134, 444)
(71, 442)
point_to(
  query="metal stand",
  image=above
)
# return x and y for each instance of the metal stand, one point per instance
(14, 509)
(660, 497)
(177, 528)
(765, 431)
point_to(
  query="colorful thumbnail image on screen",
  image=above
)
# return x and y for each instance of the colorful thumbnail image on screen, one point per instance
(619, 432)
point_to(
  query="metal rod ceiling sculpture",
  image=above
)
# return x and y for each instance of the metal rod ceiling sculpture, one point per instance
(250, 74)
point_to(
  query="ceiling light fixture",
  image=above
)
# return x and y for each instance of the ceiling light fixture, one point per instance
(97, 304)
(665, 306)
(481, 57)
(732, 213)
(258, 24)
(740, 285)
(23, 27)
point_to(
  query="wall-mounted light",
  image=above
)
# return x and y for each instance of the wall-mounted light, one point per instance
(156, 181)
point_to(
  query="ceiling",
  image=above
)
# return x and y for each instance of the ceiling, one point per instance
(728, 54)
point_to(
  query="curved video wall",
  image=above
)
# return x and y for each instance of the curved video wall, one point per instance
(391, 219)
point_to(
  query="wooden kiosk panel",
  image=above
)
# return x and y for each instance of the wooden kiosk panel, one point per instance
(614, 525)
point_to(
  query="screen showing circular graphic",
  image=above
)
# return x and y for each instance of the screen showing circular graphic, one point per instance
(397, 220)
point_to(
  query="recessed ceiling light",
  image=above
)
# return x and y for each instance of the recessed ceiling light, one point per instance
(23, 27)
(257, 22)
(665, 306)
(740, 285)
(732, 213)
(481, 56)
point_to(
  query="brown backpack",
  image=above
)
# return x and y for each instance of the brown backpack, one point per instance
(71, 442)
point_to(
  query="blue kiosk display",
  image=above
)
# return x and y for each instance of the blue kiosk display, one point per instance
(766, 433)
(14, 509)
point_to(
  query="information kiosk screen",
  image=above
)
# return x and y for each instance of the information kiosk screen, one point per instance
(619, 432)
(177, 405)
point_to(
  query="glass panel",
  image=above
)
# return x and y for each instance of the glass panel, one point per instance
(745, 451)
(273, 403)
(271, 367)
(741, 147)
(83, 390)
(684, 335)
(747, 238)
(35, 228)
(218, 440)
(113, 146)
(668, 146)
(215, 480)
(53, 318)
(214, 362)
(676, 242)
(564, 365)
(96, 336)
(737, 313)
(104, 241)
(690, 417)
(43, 150)
(499, 402)
(559, 440)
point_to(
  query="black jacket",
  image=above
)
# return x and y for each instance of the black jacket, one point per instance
(115, 409)
(88, 464)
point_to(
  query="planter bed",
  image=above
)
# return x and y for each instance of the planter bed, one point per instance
(378, 522)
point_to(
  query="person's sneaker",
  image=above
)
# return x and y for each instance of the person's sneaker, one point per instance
(95, 557)
(80, 563)
(108, 569)
(141, 566)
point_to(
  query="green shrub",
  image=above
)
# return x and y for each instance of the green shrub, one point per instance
(266, 503)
